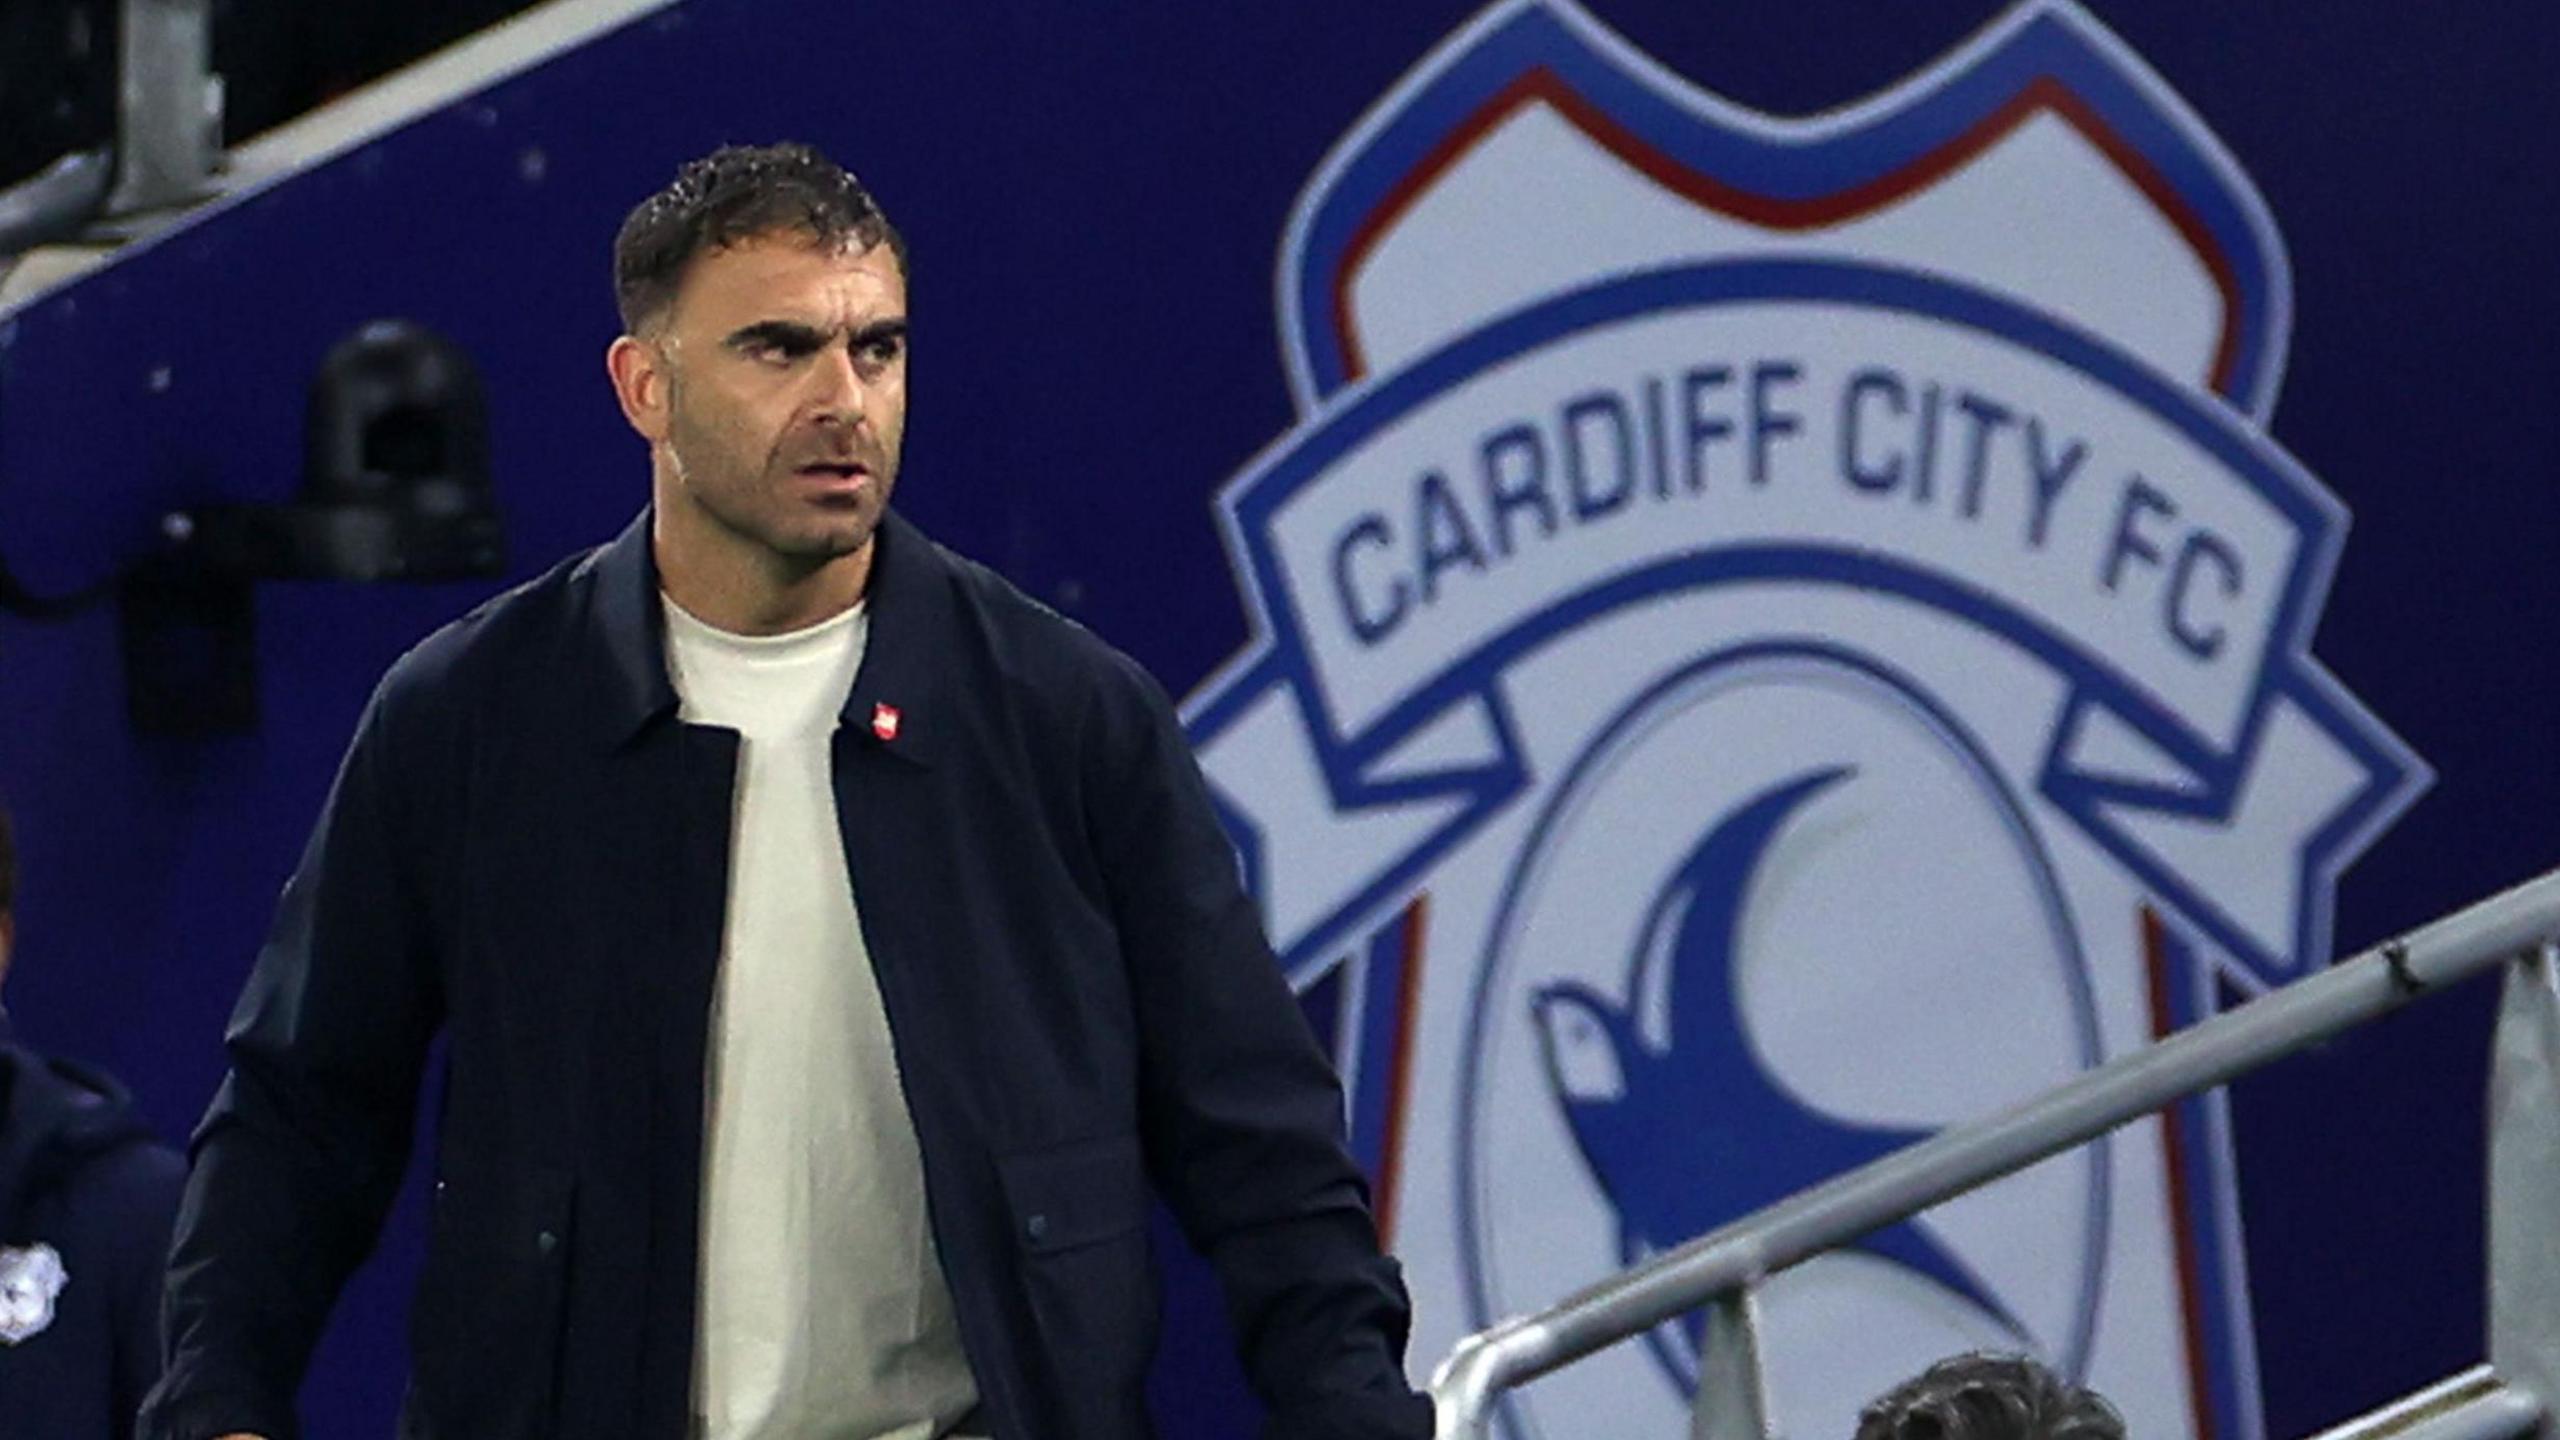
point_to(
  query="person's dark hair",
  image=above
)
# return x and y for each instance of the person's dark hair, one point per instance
(1989, 1397)
(736, 193)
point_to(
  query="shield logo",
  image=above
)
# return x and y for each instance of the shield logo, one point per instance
(30, 1280)
(1773, 637)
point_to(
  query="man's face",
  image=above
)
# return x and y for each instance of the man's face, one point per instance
(783, 367)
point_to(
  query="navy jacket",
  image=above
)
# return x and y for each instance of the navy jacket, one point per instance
(86, 1188)
(526, 849)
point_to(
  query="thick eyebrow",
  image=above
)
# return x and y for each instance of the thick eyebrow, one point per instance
(881, 330)
(788, 335)
(795, 338)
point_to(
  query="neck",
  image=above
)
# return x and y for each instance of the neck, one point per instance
(736, 585)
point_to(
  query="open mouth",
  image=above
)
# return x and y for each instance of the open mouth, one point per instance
(833, 470)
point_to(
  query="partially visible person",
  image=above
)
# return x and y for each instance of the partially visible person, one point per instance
(1983, 1396)
(87, 1196)
(832, 945)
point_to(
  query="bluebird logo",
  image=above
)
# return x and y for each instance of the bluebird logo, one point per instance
(1702, 992)
(1754, 1142)
(1774, 637)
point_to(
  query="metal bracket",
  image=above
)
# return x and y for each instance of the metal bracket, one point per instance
(2395, 956)
(1733, 1402)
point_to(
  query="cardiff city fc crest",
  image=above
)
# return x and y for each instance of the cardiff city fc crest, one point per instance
(1773, 638)
(31, 1279)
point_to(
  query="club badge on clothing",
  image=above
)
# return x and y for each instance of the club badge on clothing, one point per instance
(30, 1279)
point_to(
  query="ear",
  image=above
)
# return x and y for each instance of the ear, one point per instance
(638, 369)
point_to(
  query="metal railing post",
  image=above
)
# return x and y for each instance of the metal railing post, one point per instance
(1466, 1386)
(1732, 1401)
(168, 105)
(2524, 1181)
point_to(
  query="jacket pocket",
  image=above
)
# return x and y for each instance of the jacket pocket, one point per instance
(485, 1329)
(1079, 1216)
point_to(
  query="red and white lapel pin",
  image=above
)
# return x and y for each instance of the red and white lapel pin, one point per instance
(884, 721)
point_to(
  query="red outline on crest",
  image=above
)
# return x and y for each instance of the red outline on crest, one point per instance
(2173, 1147)
(1542, 84)
(1400, 1065)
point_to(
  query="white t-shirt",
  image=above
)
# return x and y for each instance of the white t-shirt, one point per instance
(824, 1315)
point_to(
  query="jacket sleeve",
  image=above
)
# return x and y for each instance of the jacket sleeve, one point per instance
(1242, 1113)
(302, 1150)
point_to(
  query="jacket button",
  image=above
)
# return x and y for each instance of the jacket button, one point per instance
(1037, 1227)
(546, 1242)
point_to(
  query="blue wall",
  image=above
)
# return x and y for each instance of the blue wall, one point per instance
(1094, 205)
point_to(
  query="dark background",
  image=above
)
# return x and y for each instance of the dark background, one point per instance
(1094, 199)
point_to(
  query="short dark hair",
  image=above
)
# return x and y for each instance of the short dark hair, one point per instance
(733, 194)
(1982, 1396)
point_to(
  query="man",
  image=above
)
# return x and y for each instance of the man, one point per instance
(830, 943)
(86, 1199)
(1983, 1396)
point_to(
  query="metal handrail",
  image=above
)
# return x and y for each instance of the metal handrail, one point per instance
(1722, 1266)
(56, 202)
(168, 133)
(2474, 1405)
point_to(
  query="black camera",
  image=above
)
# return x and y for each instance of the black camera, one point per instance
(395, 486)
(395, 477)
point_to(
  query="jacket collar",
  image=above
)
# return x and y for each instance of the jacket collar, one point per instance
(628, 635)
(896, 689)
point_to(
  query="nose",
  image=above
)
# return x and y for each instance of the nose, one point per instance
(836, 394)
